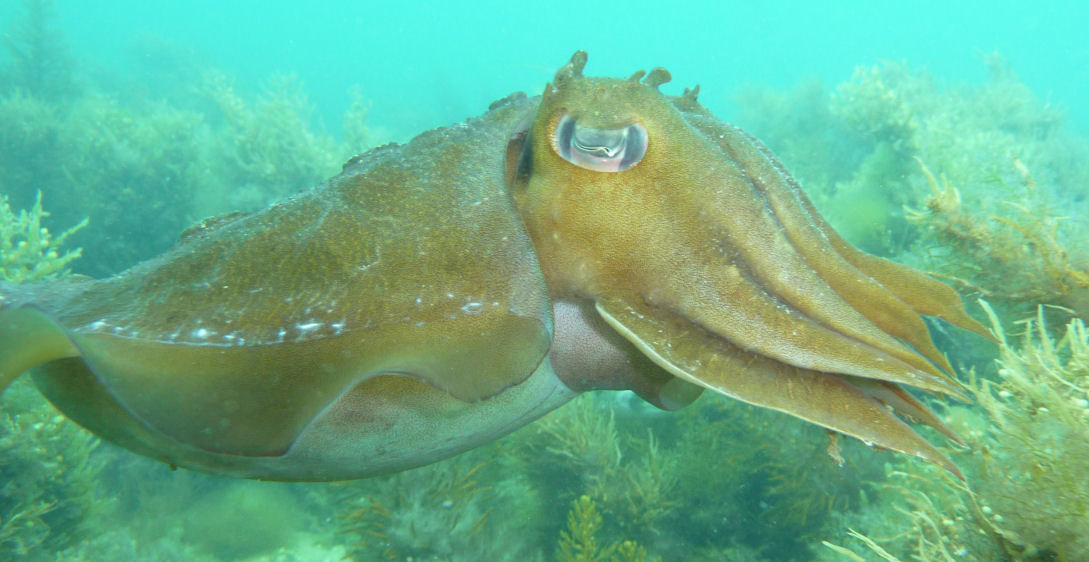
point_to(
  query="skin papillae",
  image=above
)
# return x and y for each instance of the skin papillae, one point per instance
(439, 294)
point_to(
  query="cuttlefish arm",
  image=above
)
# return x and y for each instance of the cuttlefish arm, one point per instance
(699, 248)
(407, 279)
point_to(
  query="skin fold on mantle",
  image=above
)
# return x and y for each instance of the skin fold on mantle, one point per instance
(439, 294)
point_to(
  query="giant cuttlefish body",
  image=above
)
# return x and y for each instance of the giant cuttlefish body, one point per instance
(437, 295)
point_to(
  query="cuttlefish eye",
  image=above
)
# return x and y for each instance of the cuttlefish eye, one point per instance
(600, 150)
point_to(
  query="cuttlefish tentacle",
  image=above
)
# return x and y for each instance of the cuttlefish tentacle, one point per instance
(769, 326)
(922, 294)
(926, 296)
(904, 404)
(808, 233)
(827, 400)
(769, 245)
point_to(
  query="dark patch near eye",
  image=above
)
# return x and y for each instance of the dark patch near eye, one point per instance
(519, 157)
(525, 162)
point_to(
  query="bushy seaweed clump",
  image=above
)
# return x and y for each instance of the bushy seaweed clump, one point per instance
(472, 503)
(718, 479)
(1027, 497)
(579, 542)
(858, 151)
(28, 251)
(143, 169)
(994, 190)
(1037, 452)
(48, 474)
(1027, 256)
(593, 482)
(1006, 218)
(154, 169)
(264, 151)
(49, 477)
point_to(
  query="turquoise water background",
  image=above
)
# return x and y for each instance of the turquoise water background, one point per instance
(426, 64)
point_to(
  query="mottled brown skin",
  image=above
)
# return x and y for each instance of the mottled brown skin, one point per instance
(437, 295)
(219, 354)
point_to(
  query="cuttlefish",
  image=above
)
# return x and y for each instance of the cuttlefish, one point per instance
(439, 294)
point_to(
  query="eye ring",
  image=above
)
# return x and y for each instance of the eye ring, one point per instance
(600, 150)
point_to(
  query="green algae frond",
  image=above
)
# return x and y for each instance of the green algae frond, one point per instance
(1026, 255)
(1027, 497)
(1037, 456)
(579, 542)
(28, 251)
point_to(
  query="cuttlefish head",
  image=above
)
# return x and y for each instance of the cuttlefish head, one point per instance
(695, 245)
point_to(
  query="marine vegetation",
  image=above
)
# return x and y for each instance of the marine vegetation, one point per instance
(1027, 255)
(126, 163)
(28, 251)
(862, 143)
(983, 186)
(264, 151)
(579, 544)
(470, 503)
(49, 478)
(1037, 452)
(1028, 498)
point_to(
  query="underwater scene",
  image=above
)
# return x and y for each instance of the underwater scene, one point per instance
(359, 291)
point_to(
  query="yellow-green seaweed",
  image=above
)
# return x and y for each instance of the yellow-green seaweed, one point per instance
(28, 251)
(1027, 497)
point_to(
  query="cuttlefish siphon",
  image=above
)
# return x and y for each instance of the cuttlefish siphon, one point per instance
(439, 294)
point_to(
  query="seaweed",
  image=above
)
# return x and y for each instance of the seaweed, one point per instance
(267, 150)
(97, 157)
(630, 476)
(763, 483)
(48, 472)
(1017, 257)
(855, 150)
(49, 477)
(28, 251)
(1037, 456)
(464, 504)
(1027, 497)
(579, 544)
